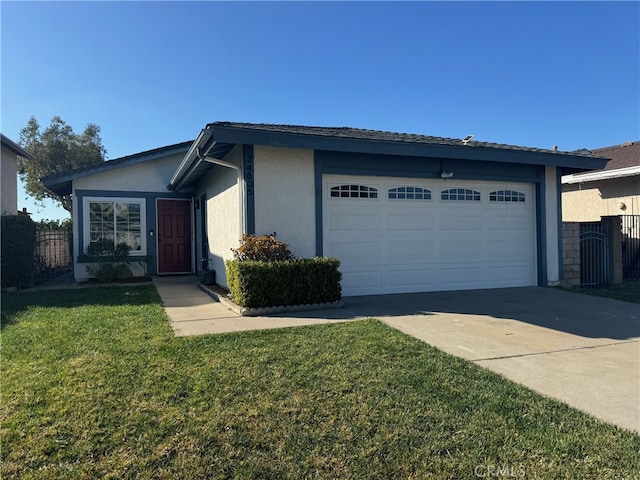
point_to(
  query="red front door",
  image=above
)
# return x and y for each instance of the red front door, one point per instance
(174, 236)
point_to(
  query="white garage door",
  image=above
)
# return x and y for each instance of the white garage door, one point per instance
(397, 235)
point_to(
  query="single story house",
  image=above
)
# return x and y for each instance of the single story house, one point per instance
(403, 212)
(9, 174)
(613, 190)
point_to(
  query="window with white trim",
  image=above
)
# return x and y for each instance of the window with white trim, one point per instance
(506, 196)
(409, 193)
(461, 194)
(353, 191)
(120, 220)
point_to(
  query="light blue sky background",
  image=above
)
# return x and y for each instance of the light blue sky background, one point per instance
(154, 73)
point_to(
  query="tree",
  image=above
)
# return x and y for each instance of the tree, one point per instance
(57, 150)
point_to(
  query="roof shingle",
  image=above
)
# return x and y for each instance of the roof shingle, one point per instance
(379, 135)
(622, 156)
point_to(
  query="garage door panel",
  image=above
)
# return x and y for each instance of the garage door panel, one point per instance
(463, 276)
(429, 244)
(509, 222)
(356, 251)
(508, 275)
(508, 249)
(467, 249)
(415, 221)
(362, 282)
(350, 221)
(415, 277)
(410, 250)
(455, 222)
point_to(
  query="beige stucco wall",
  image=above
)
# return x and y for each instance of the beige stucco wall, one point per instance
(135, 178)
(285, 197)
(9, 185)
(224, 214)
(587, 202)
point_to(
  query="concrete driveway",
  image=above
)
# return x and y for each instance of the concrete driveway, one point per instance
(581, 349)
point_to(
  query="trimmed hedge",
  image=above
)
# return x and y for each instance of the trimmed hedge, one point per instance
(299, 281)
(18, 247)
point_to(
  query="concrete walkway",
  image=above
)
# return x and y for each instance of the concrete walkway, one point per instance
(582, 350)
(194, 312)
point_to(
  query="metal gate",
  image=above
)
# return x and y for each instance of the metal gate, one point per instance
(594, 255)
(52, 254)
(630, 246)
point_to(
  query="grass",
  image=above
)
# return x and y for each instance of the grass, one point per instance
(628, 291)
(95, 385)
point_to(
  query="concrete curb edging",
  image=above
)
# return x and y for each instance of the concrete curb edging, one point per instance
(256, 312)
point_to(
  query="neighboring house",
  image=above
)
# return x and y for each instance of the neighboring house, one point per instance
(613, 190)
(403, 213)
(9, 166)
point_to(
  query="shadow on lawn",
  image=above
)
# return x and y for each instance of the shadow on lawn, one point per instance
(583, 315)
(14, 303)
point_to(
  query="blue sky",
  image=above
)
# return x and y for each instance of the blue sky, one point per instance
(151, 74)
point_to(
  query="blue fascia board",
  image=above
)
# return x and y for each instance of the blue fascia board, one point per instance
(193, 167)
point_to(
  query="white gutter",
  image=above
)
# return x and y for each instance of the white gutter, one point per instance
(225, 164)
(202, 139)
(601, 175)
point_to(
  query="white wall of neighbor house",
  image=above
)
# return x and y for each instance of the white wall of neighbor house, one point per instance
(552, 216)
(587, 202)
(285, 197)
(224, 213)
(151, 176)
(9, 185)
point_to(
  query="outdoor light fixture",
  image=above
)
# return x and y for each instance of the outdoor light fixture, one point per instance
(446, 174)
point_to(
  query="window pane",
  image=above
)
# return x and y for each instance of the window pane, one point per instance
(101, 221)
(128, 225)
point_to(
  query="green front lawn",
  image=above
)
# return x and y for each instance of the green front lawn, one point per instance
(95, 385)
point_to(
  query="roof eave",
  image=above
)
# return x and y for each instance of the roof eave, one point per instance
(191, 159)
(601, 175)
(15, 148)
(239, 135)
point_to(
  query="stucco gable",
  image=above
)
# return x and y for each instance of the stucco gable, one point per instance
(62, 183)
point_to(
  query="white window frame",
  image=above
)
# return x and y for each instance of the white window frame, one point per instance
(86, 234)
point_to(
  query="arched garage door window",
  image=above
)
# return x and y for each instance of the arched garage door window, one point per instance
(354, 191)
(461, 194)
(506, 196)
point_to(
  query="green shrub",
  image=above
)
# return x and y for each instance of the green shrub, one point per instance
(293, 282)
(264, 248)
(18, 246)
(109, 261)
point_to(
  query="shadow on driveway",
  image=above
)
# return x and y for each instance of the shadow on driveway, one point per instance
(577, 314)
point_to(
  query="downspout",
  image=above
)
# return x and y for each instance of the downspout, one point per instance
(225, 164)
